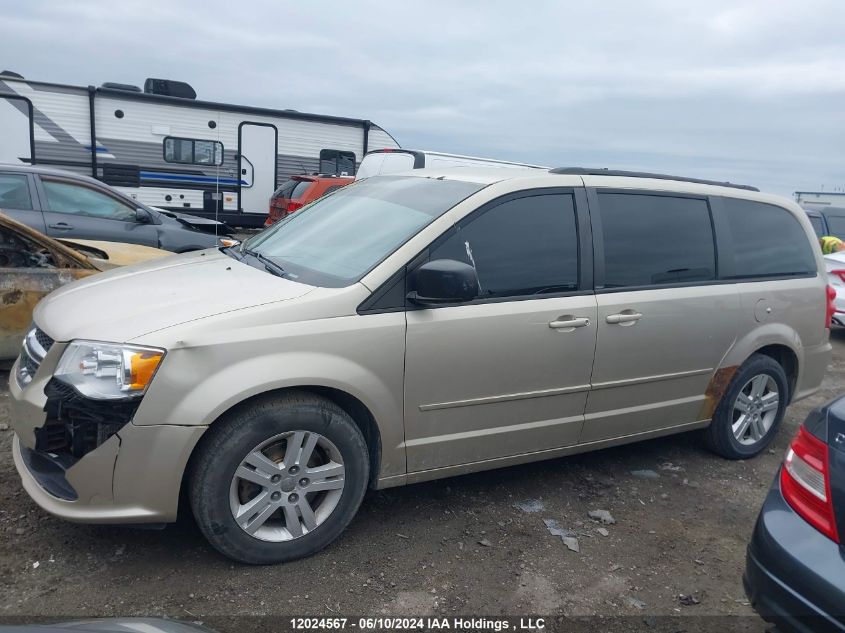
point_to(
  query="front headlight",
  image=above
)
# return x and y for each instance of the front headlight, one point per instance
(108, 371)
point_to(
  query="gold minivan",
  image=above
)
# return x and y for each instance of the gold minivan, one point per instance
(416, 326)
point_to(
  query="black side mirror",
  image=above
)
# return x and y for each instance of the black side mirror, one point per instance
(142, 216)
(443, 281)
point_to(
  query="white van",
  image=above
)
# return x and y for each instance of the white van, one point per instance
(394, 161)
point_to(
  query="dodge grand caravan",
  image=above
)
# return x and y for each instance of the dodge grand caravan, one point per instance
(416, 326)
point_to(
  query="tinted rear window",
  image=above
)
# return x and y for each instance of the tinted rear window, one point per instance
(768, 241)
(284, 190)
(300, 189)
(818, 225)
(654, 240)
(836, 224)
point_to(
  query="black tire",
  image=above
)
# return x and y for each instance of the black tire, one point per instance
(229, 441)
(719, 436)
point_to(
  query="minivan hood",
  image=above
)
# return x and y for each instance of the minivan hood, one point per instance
(125, 303)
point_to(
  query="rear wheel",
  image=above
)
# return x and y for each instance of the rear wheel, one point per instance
(751, 410)
(279, 479)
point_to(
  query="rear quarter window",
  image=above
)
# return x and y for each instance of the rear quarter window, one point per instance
(836, 226)
(766, 241)
(14, 192)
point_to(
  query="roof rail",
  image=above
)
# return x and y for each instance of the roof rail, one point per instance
(585, 171)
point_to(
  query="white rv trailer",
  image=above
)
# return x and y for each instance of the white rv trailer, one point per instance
(166, 149)
(817, 199)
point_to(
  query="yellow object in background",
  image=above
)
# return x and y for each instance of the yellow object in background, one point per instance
(831, 244)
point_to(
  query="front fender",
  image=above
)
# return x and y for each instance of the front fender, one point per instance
(195, 386)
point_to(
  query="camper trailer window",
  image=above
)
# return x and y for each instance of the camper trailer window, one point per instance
(192, 151)
(337, 162)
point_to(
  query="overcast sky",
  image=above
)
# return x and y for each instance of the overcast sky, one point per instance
(744, 90)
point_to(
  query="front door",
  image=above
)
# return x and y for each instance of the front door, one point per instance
(257, 147)
(76, 210)
(508, 373)
(664, 325)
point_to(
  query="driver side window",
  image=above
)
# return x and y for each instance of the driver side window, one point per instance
(65, 197)
(521, 247)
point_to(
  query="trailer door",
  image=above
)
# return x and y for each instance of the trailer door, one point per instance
(257, 156)
(15, 130)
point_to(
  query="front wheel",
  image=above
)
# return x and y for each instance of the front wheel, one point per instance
(279, 479)
(751, 410)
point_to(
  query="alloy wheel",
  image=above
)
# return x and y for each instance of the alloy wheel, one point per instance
(755, 409)
(287, 486)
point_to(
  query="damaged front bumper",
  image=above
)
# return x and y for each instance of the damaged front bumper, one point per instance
(87, 462)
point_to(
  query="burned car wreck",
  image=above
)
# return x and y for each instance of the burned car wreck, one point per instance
(32, 265)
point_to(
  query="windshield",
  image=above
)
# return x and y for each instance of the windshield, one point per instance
(336, 240)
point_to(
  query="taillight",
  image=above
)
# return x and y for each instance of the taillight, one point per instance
(293, 206)
(831, 306)
(275, 211)
(839, 273)
(805, 482)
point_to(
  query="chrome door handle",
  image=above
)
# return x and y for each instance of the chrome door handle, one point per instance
(623, 317)
(569, 322)
(61, 226)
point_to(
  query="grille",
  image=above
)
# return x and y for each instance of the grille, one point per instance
(41, 337)
(29, 364)
(36, 344)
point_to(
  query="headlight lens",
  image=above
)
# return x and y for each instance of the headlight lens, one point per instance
(108, 371)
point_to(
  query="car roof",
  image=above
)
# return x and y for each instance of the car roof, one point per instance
(595, 178)
(319, 178)
(49, 171)
(471, 173)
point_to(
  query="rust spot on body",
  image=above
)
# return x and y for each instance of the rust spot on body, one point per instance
(716, 389)
(13, 296)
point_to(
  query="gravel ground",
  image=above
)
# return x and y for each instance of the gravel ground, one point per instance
(478, 544)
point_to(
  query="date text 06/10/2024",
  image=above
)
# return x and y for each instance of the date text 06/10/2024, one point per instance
(418, 624)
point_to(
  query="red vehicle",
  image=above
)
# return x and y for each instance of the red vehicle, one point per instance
(298, 191)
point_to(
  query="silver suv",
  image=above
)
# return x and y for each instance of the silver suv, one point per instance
(411, 327)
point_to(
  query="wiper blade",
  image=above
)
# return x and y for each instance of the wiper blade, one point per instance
(269, 265)
(232, 252)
